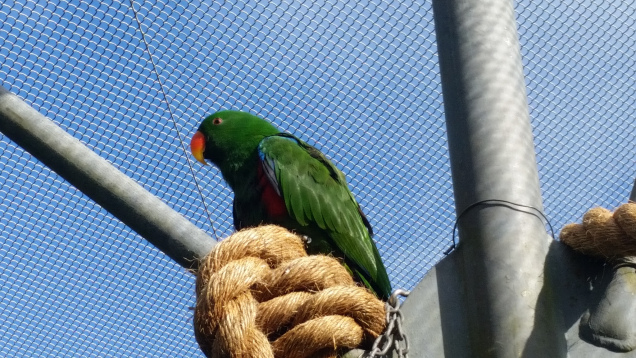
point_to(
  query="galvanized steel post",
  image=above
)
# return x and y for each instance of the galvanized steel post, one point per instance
(94, 176)
(503, 246)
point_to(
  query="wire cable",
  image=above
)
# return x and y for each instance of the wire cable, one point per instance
(538, 213)
(165, 98)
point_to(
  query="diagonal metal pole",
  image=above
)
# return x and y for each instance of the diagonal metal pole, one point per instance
(94, 176)
(503, 246)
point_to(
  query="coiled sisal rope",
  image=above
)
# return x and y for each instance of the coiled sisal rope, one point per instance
(260, 295)
(603, 233)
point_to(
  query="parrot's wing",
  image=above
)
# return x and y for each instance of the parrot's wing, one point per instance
(316, 192)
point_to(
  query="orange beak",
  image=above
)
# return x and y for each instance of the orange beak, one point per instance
(197, 146)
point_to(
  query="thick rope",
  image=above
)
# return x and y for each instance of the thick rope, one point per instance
(259, 295)
(604, 234)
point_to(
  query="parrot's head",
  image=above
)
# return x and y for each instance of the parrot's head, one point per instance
(227, 137)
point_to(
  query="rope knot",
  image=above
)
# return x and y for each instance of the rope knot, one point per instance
(604, 234)
(260, 295)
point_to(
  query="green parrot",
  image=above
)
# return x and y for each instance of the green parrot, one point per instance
(279, 179)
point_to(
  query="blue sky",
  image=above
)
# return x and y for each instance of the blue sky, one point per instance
(358, 81)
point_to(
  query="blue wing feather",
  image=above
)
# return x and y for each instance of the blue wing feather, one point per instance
(269, 167)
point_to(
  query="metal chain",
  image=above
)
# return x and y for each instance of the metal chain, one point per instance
(393, 336)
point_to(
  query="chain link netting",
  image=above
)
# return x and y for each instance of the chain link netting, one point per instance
(358, 80)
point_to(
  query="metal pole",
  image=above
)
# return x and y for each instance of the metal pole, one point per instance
(503, 246)
(94, 176)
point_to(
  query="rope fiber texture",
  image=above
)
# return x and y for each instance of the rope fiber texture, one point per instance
(604, 234)
(260, 295)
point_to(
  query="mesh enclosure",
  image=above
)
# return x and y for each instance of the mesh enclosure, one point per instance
(359, 81)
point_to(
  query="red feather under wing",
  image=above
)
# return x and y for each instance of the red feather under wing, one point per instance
(274, 204)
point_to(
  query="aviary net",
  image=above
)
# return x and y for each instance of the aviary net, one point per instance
(360, 81)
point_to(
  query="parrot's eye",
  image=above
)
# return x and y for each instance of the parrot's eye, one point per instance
(217, 121)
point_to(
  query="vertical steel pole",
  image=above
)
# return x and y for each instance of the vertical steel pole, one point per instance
(503, 246)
